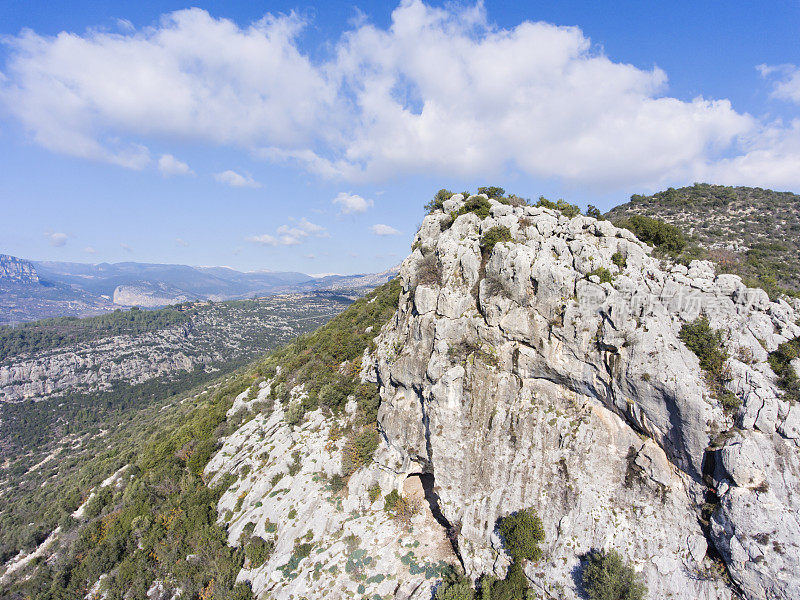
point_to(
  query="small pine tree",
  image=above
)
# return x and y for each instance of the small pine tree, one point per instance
(522, 532)
(608, 577)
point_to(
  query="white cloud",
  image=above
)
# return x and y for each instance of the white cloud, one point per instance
(290, 235)
(381, 229)
(234, 179)
(126, 247)
(787, 87)
(352, 203)
(264, 239)
(169, 165)
(56, 238)
(190, 75)
(771, 158)
(181, 242)
(441, 91)
(90, 250)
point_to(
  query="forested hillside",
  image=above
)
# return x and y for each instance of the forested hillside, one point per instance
(157, 520)
(747, 231)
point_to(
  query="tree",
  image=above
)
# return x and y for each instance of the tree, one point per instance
(594, 212)
(607, 576)
(522, 533)
(437, 203)
(492, 191)
(657, 233)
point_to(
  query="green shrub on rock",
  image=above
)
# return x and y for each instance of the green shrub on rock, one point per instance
(564, 207)
(258, 550)
(513, 587)
(437, 203)
(476, 204)
(607, 576)
(708, 345)
(358, 450)
(603, 273)
(294, 414)
(494, 236)
(781, 362)
(454, 587)
(663, 236)
(522, 533)
(492, 191)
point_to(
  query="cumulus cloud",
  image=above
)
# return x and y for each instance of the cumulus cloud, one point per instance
(785, 81)
(291, 234)
(440, 91)
(90, 250)
(234, 179)
(352, 203)
(56, 238)
(169, 165)
(126, 248)
(381, 229)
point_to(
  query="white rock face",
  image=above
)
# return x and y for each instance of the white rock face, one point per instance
(357, 550)
(522, 378)
(522, 381)
(149, 295)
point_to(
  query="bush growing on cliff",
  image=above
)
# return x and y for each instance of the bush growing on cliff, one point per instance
(492, 191)
(607, 576)
(437, 203)
(476, 204)
(708, 345)
(293, 414)
(564, 207)
(663, 236)
(454, 586)
(428, 271)
(258, 550)
(594, 212)
(781, 362)
(513, 587)
(494, 236)
(358, 450)
(522, 533)
(603, 273)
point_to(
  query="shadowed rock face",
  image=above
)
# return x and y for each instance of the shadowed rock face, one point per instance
(518, 380)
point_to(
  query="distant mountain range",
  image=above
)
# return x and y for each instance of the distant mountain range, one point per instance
(37, 289)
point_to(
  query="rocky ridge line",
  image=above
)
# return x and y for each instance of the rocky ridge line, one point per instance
(517, 378)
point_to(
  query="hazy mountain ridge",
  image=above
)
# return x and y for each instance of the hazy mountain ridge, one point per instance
(32, 290)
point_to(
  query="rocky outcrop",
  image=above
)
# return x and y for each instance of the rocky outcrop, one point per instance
(16, 270)
(329, 541)
(519, 379)
(149, 295)
(544, 373)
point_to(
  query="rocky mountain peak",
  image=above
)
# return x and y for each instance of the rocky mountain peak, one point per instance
(539, 361)
(16, 270)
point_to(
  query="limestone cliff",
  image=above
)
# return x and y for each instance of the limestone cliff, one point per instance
(546, 371)
(16, 270)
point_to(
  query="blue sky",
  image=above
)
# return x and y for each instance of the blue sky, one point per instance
(294, 136)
